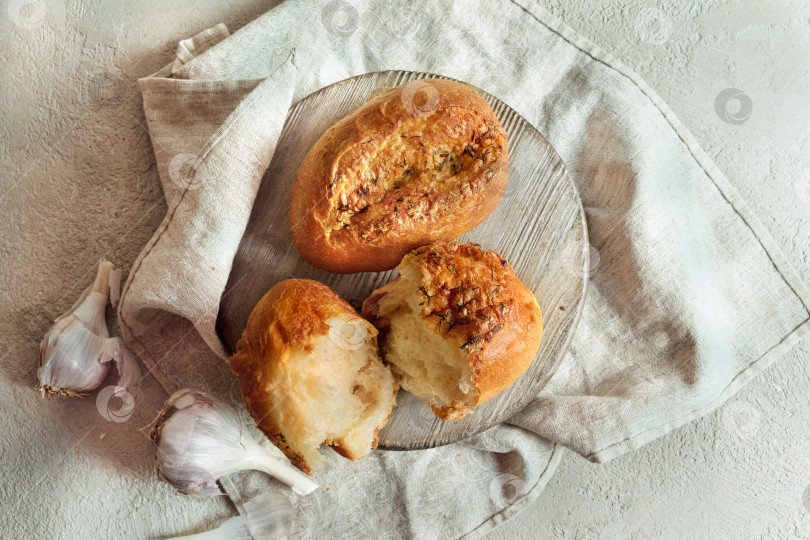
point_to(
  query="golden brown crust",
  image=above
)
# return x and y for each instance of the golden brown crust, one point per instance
(424, 161)
(288, 317)
(472, 297)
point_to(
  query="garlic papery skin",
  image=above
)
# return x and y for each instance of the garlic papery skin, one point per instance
(200, 439)
(268, 515)
(75, 353)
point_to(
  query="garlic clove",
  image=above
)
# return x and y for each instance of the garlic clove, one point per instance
(70, 359)
(125, 363)
(268, 515)
(90, 314)
(74, 354)
(200, 439)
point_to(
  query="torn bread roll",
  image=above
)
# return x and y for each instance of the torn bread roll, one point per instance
(424, 161)
(310, 373)
(457, 326)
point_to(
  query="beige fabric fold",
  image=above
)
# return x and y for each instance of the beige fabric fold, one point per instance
(688, 299)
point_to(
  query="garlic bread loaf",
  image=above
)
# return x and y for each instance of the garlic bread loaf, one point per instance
(310, 373)
(421, 162)
(457, 326)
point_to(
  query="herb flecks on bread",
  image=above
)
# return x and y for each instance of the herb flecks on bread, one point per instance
(399, 173)
(457, 326)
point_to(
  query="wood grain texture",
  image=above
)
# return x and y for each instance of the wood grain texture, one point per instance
(539, 227)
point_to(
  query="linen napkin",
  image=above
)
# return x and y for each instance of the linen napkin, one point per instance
(689, 298)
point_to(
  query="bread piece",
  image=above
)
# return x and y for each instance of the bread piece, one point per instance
(457, 326)
(310, 372)
(424, 161)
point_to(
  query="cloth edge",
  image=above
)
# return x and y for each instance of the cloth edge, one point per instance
(738, 381)
(531, 496)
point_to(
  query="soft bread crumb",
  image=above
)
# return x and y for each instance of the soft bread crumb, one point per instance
(310, 373)
(332, 395)
(428, 365)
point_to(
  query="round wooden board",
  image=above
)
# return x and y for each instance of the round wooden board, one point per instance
(539, 227)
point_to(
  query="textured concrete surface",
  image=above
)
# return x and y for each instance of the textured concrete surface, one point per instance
(78, 183)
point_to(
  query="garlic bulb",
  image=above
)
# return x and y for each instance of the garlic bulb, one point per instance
(269, 515)
(75, 353)
(200, 439)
